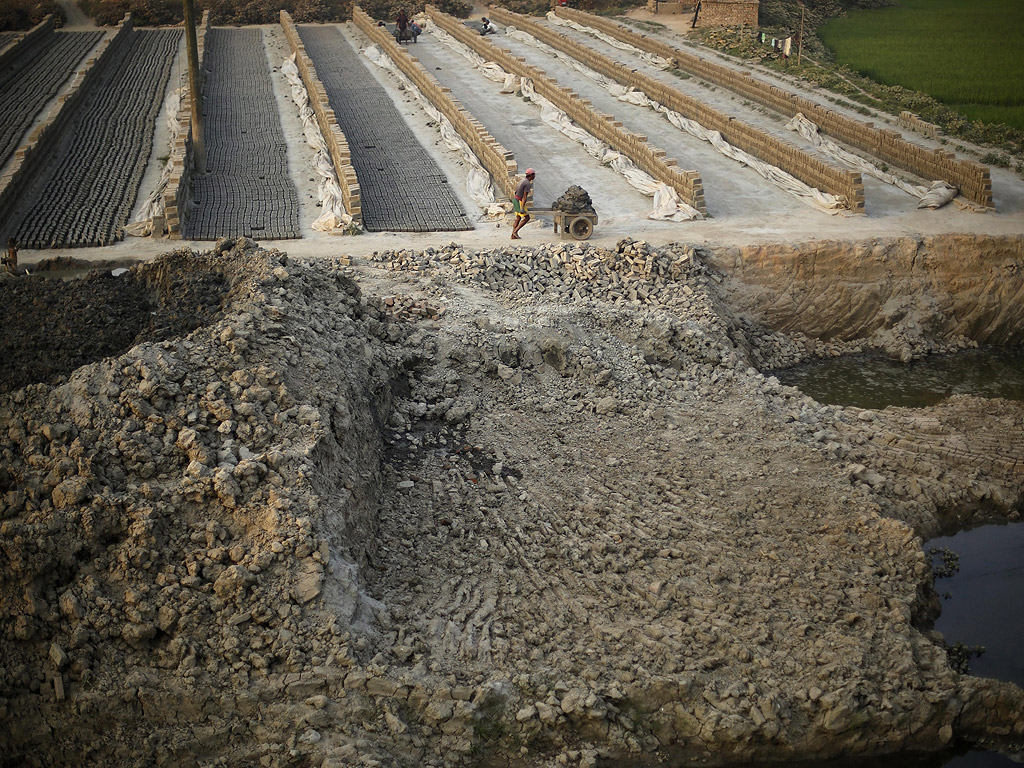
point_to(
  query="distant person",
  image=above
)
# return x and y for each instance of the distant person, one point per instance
(10, 259)
(520, 202)
(486, 27)
(415, 29)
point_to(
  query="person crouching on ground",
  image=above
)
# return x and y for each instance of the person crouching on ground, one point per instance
(519, 204)
(487, 28)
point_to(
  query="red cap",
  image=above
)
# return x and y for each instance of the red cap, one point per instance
(530, 172)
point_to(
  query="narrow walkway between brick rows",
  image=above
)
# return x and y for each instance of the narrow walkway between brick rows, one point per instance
(246, 189)
(517, 124)
(32, 77)
(402, 188)
(84, 192)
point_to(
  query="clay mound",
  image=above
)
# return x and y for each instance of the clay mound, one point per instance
(574, 200)
(55, 326)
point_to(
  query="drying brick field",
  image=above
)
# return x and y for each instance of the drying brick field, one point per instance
(247, 189)
(391, 500)
(403, 190)
(33, 77)
(85, 191)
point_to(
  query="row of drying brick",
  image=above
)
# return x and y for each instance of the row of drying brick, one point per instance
(44, 139)
(765, 147)
(498, 161)
(971, 178)
(650, 159)
(11, 46)
(176, 191)
(337, 144)
(30, 80)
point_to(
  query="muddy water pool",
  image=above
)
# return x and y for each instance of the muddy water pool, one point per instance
(873, 381)
(982, 605)
(982, 601)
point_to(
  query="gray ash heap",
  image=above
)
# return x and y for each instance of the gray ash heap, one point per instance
(574, 200)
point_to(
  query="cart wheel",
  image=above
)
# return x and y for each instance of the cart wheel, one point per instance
(581, 228)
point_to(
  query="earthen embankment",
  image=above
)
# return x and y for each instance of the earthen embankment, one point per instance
(564, 515)
(969, 286)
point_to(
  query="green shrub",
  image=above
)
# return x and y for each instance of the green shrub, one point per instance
(21, 15)
(997, 159)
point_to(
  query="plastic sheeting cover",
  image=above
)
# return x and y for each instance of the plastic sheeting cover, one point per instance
(936, 195)
(154, 203)
(334, 216)
(659, 61)
(667, 203)
(815, 197)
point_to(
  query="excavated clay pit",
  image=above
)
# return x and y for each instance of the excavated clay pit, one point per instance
(526, 506)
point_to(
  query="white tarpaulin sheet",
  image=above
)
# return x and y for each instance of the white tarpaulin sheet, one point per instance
(667, 204)
(154, 204)
(936, 195)
(659, 61)
(478, 183)
(808, 194)
(334, 216)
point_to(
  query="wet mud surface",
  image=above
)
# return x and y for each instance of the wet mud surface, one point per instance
(53, 326)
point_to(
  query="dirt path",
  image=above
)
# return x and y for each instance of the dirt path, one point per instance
(74, 18)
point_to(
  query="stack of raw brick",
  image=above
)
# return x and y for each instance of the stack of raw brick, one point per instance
(915, 123)
(971, 178)
(650, 159)
(176, 191)
(337, 144)
(42, 141)
(498, 161)
(763, 146)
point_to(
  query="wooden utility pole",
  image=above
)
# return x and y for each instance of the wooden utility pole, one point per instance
(198, 146)
(800, 40)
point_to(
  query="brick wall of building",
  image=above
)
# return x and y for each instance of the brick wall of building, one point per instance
(727, 13)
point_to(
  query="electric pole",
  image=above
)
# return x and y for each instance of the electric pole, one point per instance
(800, 40)
(198, 147)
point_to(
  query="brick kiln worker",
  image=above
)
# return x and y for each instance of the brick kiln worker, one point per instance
(519, 204)
(402, 26)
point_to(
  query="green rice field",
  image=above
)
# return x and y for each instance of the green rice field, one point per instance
(968, 54)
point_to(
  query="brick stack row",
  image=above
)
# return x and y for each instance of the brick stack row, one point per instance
(337, 144)
(176, 191)
(44, 139)
(648, 158)
(498, 161)
(23, 39)
(761, 145)
(972, 179)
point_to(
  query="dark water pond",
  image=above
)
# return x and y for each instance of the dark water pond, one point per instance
(870, 380)
(985, 607)
(982, 605)
(985, 603)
